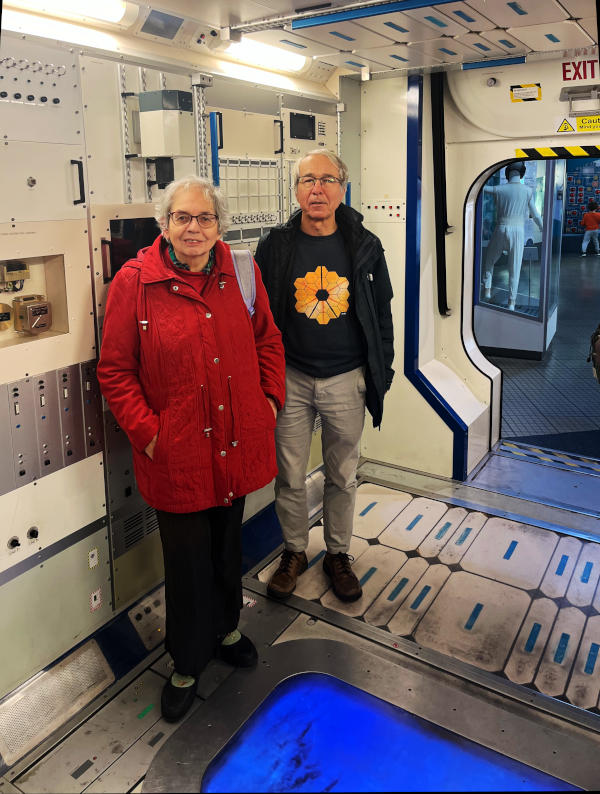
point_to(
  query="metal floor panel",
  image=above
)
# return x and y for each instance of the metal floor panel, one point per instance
(94, 747)
(577, 491)
(473, 497)
(506, 597)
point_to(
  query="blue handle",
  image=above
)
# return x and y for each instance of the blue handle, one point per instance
(214, 147)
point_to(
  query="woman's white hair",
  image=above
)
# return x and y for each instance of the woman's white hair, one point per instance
(213, 194)
(332, 157)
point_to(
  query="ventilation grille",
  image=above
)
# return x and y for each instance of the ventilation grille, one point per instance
(127, 531)
(53, 697)
(321, 128)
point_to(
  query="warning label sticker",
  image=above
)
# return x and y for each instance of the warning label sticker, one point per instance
(581, 124)
(526, 92)
(566, 127)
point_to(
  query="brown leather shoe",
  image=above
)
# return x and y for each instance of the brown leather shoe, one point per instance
(283, 581)
(345, 584)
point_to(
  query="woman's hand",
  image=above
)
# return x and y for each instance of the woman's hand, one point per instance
(271, 402)
(150, 448)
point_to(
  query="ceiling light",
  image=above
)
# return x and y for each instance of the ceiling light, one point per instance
(20, 22)
(259, 54)
(105, 11)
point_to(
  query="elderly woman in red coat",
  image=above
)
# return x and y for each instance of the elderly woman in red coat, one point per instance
(196, 383)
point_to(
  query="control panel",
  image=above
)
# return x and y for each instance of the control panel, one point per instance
(384, 210)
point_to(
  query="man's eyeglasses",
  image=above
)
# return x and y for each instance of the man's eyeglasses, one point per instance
(205, 219)
(324, 181)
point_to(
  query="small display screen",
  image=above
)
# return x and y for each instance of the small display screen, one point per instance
(128, 236)
(163, 25)
(38, 311)
(4, 317)
(302, 126)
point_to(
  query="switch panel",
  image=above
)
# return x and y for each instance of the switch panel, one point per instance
(119, 460)
(23, 431)
(7, 471)
(71, 414)
(92, 409)
(45, 401)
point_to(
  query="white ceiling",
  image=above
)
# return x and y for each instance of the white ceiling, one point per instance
(437, 34)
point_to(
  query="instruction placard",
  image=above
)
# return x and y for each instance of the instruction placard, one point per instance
(526, 92)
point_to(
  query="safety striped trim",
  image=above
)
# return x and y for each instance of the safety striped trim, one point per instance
(561, 152)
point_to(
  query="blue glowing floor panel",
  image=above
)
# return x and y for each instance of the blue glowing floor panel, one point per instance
(317, 733)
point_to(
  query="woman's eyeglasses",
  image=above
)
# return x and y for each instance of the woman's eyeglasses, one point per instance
(205, 219)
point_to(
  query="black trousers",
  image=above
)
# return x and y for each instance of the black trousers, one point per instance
(203, 587)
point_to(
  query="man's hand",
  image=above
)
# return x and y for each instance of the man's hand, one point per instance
(271, 402)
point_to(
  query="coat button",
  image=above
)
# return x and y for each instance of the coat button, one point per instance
(208, 315)
(175, 287)
(216, 360)
(230, 493)
(226, 500)
(221, 407)
(223, 453)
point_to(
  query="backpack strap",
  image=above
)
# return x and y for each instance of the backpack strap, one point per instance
(244, 271)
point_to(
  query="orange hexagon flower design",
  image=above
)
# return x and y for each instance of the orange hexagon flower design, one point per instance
(322, 295)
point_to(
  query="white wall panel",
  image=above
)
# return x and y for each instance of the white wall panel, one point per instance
(41, 504)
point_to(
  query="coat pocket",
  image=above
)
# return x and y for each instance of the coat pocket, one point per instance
(161, 448)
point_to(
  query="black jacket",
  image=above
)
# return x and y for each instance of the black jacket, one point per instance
(372, 292)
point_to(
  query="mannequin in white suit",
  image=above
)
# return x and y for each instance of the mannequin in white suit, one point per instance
(514, 204)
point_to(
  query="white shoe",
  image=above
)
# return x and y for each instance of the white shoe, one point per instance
(583, 254)
(511, 306)
(487, 294)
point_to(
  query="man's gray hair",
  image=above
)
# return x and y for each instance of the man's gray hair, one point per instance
(332, 156)
(213, 194)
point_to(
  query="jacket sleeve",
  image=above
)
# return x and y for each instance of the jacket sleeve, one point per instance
(269, 347)
(383, 298)
(118, 368)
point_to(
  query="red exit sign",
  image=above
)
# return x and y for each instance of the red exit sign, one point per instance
(580, 70)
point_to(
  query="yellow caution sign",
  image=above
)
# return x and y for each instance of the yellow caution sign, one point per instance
(588, 123)
(566, 127)
(583, 124)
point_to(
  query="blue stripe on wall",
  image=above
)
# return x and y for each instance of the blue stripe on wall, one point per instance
(362, 13)
(413, 279)
(496, 62)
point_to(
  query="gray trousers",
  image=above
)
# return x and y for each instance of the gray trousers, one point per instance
(340, 401)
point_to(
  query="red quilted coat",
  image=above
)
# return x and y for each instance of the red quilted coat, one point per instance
(196, 369)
